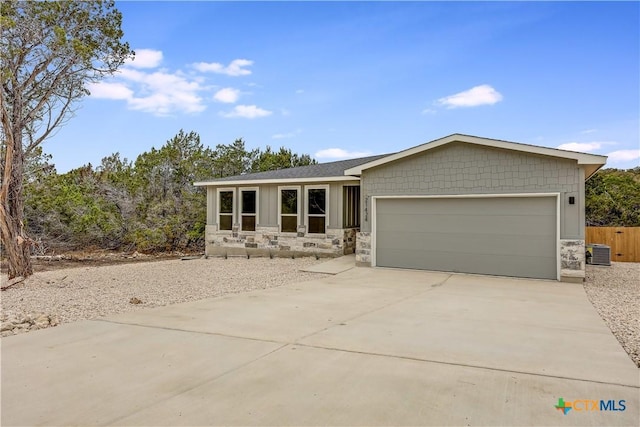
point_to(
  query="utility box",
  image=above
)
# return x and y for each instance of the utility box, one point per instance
(598, 254)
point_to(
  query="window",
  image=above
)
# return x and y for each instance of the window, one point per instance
(248, 209)
(225, 209)
(317, 209)
(351, 206)
(288, 208)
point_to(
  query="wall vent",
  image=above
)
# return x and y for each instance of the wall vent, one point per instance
(598, 254)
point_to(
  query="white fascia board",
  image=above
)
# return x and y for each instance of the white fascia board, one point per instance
(581, 158)
(276, 181)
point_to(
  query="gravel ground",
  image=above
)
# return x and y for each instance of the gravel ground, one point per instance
(71, 294)
(615, 292)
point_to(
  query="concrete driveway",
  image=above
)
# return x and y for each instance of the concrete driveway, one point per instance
(364, 347)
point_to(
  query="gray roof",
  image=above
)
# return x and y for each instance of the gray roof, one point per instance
(321, 170)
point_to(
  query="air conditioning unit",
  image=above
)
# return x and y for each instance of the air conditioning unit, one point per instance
(598, 254)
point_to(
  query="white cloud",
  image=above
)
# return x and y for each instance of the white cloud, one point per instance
(585, 147)
(339, 153)
(235, 67)
(247, 112)
(106, 90)
(160, 92)
(283, 135)
(476, 96)
(227, 95)
(624, 155)
(286, 135)
(146, 58)
(618, 156)
(586, 131)
(299, 91)
(428, 111)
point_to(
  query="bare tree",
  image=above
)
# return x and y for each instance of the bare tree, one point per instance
(49, 51)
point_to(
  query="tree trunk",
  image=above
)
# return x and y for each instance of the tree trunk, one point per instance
(16, 247)
(16, 243)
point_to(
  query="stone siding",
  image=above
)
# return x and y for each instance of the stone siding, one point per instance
(363, 249)
(572, 260)
(268, 241)
(350, 239)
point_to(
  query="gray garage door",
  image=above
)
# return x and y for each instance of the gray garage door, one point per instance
(505, 236)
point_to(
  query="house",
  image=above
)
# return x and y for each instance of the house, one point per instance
(460, 203)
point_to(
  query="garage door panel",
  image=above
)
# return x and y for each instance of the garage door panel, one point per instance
(463, 263)
(480, 243)
(511, 236)
(479, 205)
(497, 224)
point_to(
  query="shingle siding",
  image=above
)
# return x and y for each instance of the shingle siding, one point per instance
(461, 168)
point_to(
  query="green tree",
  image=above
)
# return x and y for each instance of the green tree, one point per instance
(268, 160)
(37, 165)
(72, 211)
(233, 159)
(613, 198)
(169, 209)
(49, 51)
(149, 204)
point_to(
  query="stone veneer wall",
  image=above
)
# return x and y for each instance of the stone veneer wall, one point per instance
(572, 260)
(268, 241)
(350, 240)
(363, 249)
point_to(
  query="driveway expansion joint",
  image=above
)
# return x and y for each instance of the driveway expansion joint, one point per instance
(394, 356)
(297, 342)
(219, 334)
(464, 365)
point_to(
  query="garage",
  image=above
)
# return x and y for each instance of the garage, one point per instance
(506, 235)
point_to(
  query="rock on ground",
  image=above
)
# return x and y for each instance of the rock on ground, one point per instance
(66, 295)
(615, 293)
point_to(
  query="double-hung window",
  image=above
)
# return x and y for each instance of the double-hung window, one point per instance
(317, 208)
(248, 209)
(289, 209)
(226, 198)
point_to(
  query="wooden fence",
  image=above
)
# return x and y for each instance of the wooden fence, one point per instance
(624, 241)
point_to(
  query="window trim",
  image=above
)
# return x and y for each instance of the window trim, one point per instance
(298, 188)
(240, 201)
(324, 187)
(233, 207)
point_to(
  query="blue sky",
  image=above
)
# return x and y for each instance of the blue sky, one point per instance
(345, 79)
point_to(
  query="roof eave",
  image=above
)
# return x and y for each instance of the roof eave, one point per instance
(276, 181)
(581, 158)
(591, 169)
